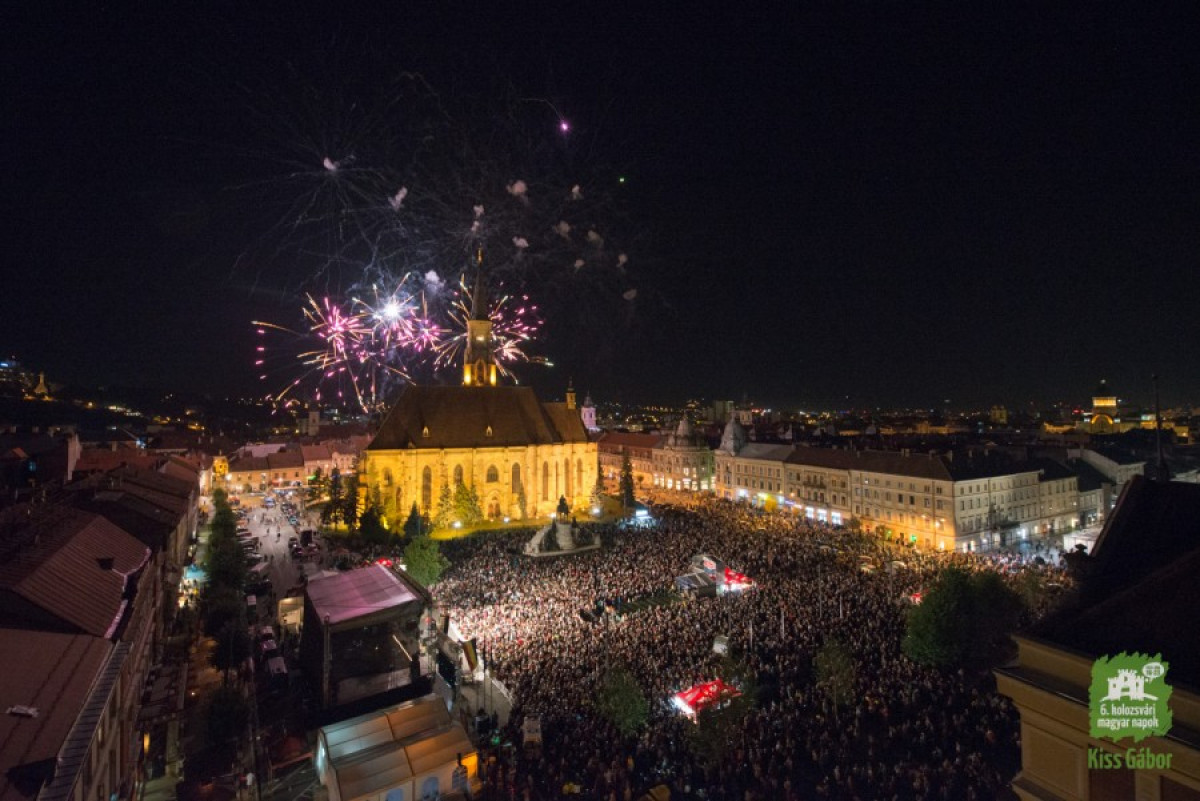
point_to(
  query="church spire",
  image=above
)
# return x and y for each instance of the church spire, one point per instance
(479, 366)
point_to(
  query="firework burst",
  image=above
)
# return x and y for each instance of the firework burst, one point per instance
(515, 323)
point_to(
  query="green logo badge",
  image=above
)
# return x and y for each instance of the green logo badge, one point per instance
(1129, 696)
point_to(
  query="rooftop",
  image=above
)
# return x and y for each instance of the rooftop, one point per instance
(475, 417)
(57, 673)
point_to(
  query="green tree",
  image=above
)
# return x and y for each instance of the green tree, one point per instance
(370, 528)
(231, 649)
(444, 516)
(332, 513)
(622, 702)
(466, 505)
(415, 525)
(220, 605)
(318, 486)
(424, 560)
(597, 499)
(226, 564)
(963, 621)
(627, 499)
(348, 512)
(227, 716)
(522, 503)
(836, 672)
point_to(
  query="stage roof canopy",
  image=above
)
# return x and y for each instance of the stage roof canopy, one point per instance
(364, 593)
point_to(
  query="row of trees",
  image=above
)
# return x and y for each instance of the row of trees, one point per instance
(223, 613)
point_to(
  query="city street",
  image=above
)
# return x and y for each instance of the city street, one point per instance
(272, 530)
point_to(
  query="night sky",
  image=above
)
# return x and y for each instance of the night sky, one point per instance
(848, 205)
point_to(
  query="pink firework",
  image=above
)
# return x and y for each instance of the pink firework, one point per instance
(515, 323)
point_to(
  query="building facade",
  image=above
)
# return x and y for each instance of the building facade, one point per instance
(613, 447)
(683, 461)
(519, 455)
(963, 502)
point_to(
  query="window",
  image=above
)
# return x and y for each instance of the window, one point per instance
(487, 432)
(579, 475)
(458, 474)
(545, 481)
(493, 475)
(425, 432)
(387, 477)
(426, 489)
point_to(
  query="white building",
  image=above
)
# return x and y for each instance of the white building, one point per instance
(683, 461)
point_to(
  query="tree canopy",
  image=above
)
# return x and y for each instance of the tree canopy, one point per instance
(424, 560)
(622, 702)
(963, 621)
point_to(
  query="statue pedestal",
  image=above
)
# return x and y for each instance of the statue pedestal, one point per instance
(563, 536)
(557, 533)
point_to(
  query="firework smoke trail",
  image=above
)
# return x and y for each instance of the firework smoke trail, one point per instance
(377, 202)
(515, 323)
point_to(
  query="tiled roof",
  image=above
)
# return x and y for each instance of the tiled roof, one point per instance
(57, 672)
(285, 459)
(315, 453)
(1138, 588)
(765, 451)
(1153, 524)
(1088, 477)
(150, 523)
(71, 565)
(1049, 469)
(627, 439)
(253, 464)
(472, 417)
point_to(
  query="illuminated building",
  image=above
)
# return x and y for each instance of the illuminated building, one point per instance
(519, 454)
(683, 461)
(961, 502)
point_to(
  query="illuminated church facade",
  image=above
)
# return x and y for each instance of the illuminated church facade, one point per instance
(501, 440)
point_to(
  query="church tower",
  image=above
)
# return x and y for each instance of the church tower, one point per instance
(587, 413)
(479, 368)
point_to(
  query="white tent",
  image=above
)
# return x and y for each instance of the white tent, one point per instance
(402, 753)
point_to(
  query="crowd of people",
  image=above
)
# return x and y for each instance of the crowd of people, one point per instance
(551, 628)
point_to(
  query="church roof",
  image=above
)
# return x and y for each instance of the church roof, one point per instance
(462, 417)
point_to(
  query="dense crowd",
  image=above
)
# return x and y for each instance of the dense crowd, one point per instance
(908, 732)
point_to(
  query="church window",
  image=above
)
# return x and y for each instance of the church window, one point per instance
(387, 477)
(493, 475)
(567, 477)
(516, 477)
(426, 489)
(545, 481)
(425, 432)
(579, 475)
(458, 474)
(488, 431)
